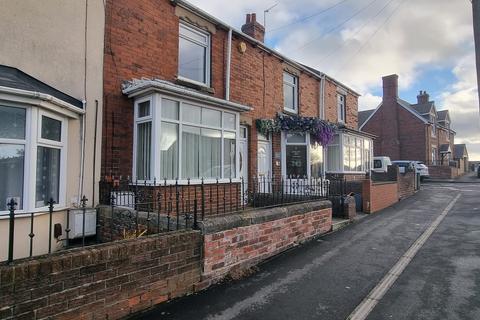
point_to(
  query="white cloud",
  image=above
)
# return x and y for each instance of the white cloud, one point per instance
(368, 101)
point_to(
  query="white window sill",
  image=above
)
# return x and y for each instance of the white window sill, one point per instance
(183, 182)
(197, 83)
(290, 110)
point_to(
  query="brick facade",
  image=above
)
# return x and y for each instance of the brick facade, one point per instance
(404, 133)
(141, 40)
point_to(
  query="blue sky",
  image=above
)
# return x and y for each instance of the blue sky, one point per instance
(428, 43)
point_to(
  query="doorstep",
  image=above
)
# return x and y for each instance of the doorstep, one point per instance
(339, 223)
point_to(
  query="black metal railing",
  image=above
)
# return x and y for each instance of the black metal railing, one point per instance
(175, 202)
(55, 231)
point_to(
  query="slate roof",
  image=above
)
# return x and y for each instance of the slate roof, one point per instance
(460, 151)
(442, 115)
(363, 116)
(423, 107)
(445, 148)
(14, 78)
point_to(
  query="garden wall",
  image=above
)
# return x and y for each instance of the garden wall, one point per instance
(106, 281)
(379, 195)
(236, 242)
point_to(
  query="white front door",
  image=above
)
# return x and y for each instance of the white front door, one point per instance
(243, 159)
(264, 162)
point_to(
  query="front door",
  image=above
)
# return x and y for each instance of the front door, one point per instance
(264, 163)
(243, 160)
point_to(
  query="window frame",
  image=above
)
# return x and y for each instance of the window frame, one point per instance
(207, 62)
(341, 110)
(307, 143)
(341, 145)
(33, 140)
(157, 119)
(294, 86)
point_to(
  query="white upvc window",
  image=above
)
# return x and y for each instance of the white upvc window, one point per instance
(341, 110)
(32, 157)
(349, 154)
(184, 140)
(290, 92)
(434, 155)
(194, 55)
(301, 157)
(434, 125)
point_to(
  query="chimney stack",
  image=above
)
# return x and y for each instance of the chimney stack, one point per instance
(390, 87)
(253, 28)
(423, 97)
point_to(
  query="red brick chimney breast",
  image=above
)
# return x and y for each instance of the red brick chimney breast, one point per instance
(390, 87)
(253, 28)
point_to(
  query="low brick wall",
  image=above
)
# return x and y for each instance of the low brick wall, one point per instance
(106, 281)
(379, 195)
(236, 242)
(442, 172)
(406, 184)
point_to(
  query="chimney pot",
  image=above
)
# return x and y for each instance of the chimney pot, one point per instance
(253, 28)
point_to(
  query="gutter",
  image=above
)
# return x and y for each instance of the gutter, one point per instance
(229, 63)
(42, 96)
(188, 6)
(143, 87)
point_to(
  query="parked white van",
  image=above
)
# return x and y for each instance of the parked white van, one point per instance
(380, 164)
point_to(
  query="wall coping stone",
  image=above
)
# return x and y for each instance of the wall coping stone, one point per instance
(259, 216)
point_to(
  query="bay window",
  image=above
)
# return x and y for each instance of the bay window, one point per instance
(185, 141)
(349, 154)
(32, 157)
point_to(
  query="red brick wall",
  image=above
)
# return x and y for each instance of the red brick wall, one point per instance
(443, 172)
(108, 281)
(141, 40)
(380, 195)
(245, 246)
(406, 184)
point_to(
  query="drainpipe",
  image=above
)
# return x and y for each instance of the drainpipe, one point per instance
(82, 155)
(321, 101)
(229, 61)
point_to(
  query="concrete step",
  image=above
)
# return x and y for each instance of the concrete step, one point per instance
(338, 224)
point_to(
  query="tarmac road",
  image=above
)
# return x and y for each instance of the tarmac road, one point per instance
(329, 277)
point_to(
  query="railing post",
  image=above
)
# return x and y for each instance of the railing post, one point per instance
(84, 207)
(50, 214)
(11, 230)
(31, 234)
(195, 218)
(202, 190)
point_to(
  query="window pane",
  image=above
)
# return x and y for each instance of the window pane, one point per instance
(144, 150)
(197, 36)
(229, 121)
(296, 138)
(170, 109)
(12, 157)
(333, 156)
(144, 109)
(190, 152)
(229, 155)
(296, 157)
(316, 160)
(191, 61)
(51, 129)
(169, 150)
(12, 122)
(288, 78)
(288, 96)
(191, 113)
(48, 176)
(210, 153)
(211, 117)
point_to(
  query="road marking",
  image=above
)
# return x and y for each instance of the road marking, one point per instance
(366, 306)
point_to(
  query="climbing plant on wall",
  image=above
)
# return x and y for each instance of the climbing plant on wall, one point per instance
(320, 131)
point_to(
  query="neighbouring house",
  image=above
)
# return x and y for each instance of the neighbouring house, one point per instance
(408, 131)
(460, 155)
(189, 98)
(50, 85)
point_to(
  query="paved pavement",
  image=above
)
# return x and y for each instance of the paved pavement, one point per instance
(329, 277)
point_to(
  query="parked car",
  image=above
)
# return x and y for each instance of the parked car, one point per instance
(380, 164)
(419, 167)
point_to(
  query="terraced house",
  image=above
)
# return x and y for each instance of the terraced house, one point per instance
(408, 131)
(189, 97)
